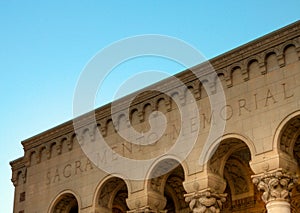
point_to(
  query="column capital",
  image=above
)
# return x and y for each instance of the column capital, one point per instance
(276, 185)
(205, 201)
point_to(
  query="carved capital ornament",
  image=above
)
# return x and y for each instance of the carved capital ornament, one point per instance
(205, 201)
(276, 185)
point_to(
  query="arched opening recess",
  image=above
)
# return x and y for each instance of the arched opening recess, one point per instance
(231, 161)
(66, 203)
(289, 143)
(168, 176)
(112, 196)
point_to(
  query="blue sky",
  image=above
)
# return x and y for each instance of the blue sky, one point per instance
(44, 46)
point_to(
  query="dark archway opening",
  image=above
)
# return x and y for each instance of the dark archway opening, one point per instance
(67, 203)
(74, 209)
(231, 162)
(113, 195)
(170, 185)
(289, 143)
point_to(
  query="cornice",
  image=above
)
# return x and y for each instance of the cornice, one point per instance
(18, 163)
(47, 135)
(257, 46)
(222, 61)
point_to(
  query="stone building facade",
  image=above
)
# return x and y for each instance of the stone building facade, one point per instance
(251, 167)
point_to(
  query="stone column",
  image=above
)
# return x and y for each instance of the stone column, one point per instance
(205, 201)
(276, 186)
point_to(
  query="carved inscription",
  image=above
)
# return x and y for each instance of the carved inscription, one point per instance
(66, 171)
(244, 106)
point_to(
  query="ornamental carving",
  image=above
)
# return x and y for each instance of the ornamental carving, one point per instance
(205, 201)
(275, 186)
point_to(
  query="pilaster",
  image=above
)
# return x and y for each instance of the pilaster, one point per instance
(204, 180)
(205, 192)
(146, 201)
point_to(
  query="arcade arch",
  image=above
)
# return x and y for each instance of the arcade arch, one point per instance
(287, 140)
(112, 195)
(65, 203)
(231, 161)
(168, 177)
